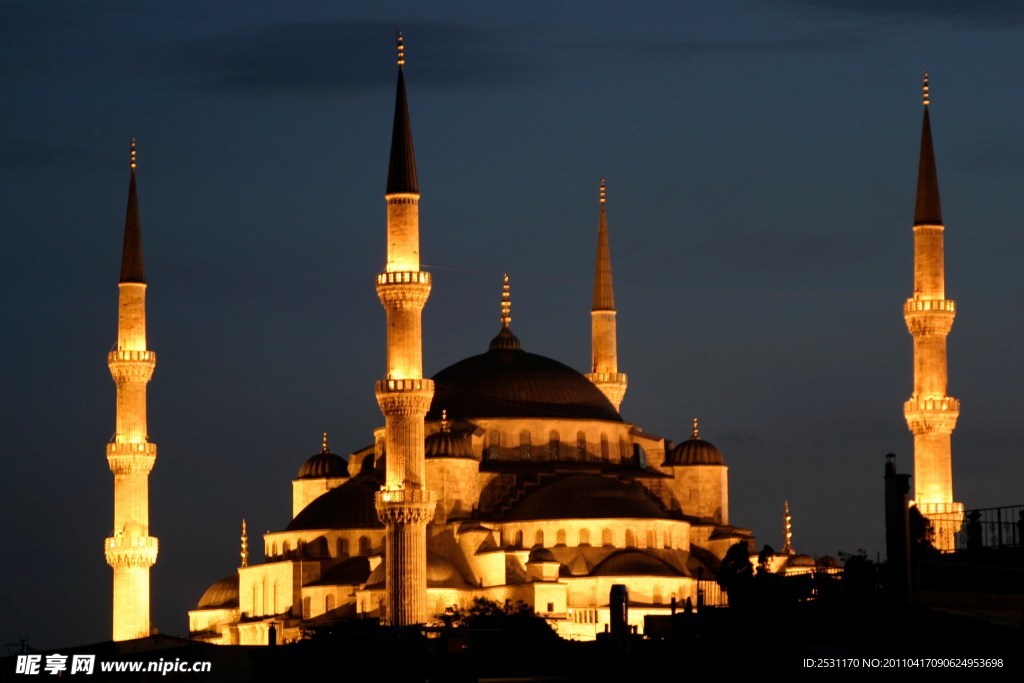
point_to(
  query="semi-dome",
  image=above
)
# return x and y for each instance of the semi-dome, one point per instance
(694, 451)
(221, 595)
(586, 496)
(634, 563)
(510, 382)
(323, 464)
(349, 506)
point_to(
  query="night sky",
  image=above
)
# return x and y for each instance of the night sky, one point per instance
(761, 160)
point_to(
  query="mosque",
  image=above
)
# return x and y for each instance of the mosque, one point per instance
(507, 476)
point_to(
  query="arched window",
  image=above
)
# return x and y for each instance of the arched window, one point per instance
(273, 604)
(538, 538)
(517, 539)
(342, 547)
(624, 451)
(286, 549)
(606, 537)
(604, 447)
(263, 594)
(524, 444)
(305, 608)
(630, 538)
(584, 537)
(666, 541)
(364, 545)
(255, 600)
(659, 596)
(581, 446)
(300, 549)
(651, 538)
(493, 444)
(560, 537)
(329, 603)
(554, 443)
(273, 549)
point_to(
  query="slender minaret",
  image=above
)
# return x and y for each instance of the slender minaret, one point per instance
(131, 551)
(787, 531)
(931, 413)
(604, 345)
(404, 505)
(244, 554)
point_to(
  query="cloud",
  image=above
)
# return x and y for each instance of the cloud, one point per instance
(331, 56)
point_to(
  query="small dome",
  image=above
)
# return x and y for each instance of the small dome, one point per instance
(221, 595)
(541, 555)
(446, 443)
(694, 451)
(323, 464)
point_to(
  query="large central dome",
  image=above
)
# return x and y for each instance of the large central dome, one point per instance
(509, 382)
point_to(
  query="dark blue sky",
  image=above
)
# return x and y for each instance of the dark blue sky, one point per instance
(761, 161)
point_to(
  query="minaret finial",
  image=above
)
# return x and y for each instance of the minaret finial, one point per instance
(696, 430)
(401, 48)
(603, 192)
(324, 448)
(133, 154)
(927, 98)
(787, 525)
(506, 304)
(444, 419)
(245, 545)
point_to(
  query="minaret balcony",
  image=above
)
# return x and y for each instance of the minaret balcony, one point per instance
(405, 506)
(122, 550)
(418, 277)
(403, 289)
(932, 415)
(929, 317)
(405, 396)
(131, 366)
(131, 458)
(607, 377)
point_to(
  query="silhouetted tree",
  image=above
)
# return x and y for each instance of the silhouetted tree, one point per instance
(736, 574)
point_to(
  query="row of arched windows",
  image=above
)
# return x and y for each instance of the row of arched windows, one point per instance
(554, 450)
(318, 549)
(607, 538)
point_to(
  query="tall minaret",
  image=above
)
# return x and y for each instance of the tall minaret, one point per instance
(404, 505)
(604, 345)
(931, 413)
(131, 551)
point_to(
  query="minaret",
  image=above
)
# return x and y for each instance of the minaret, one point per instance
(244, 538)
(787, 531)
(131, 551)
(404, 505)
(931, 414)
(604, 345)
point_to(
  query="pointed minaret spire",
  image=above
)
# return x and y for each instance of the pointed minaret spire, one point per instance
(604, 294)
(931, 413)
(402, 167)
(245, 545)
(928, 208)
(505, 340)
(324, 448)
(132, 269)
(604, 343)
(696, 430)
(787, 531)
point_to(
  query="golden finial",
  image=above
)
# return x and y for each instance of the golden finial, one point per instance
(323, 446)
(603, 198)
(506, 304)
(133, 153)
(696, 431)
(401, 48)
(444, 419)
(927, 99)
(245, 545)
(787, 523)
